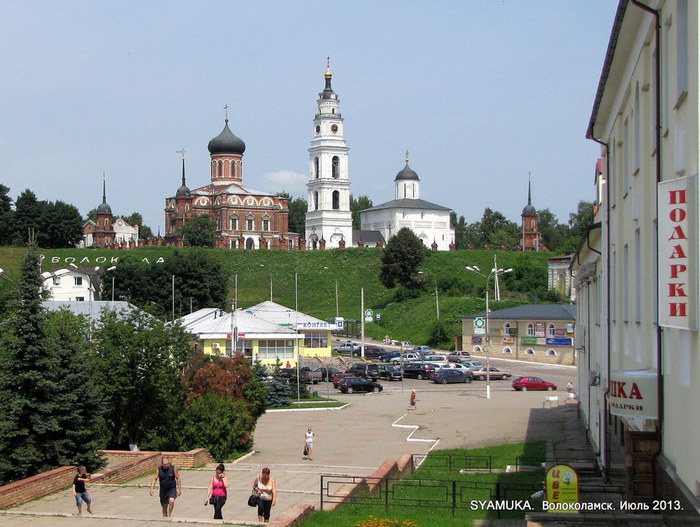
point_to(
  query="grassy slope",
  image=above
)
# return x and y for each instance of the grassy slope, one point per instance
(317, 273)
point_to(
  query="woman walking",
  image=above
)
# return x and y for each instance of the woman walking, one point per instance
(217, 491)
(309, 443)
(266, 488)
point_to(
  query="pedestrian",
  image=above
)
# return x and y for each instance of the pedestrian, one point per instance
(570, 389)
(412, 400)
(217, 491)
(79, 492)
(170, 485)
(309, 443)
(264, 485)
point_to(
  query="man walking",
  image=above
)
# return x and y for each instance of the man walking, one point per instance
(170, 485)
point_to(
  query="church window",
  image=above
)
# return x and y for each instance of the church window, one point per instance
(250, 223)
(315, 200)
(187, 208)
(249, 243)
(316, 169)
(266, 224)
(334, 165)
(336, 200)
(234, 223)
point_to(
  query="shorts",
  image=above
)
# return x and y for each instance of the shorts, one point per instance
(166, 494)
(81, 497)
(309, 444)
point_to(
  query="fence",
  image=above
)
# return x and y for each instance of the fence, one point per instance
(424, 493)
(455, 462)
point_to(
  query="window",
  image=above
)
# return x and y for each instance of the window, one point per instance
(80, 299)
(336, 200)
(529, 351)
(315, 339)
(551, 353)
(507, 329)
(550, 330)
(334, 167)
(249, 243)
(507, 350)
(250, 223)
(56, 280)
(78, 280)
(242, 346)
(315, 200)
(315, 168)
(477, 349)
(234, 223)
(530, 330)
(274, 349)
(266, 224)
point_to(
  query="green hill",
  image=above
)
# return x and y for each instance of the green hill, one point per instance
(319, 274)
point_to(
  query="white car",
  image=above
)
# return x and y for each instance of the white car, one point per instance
(452, 366)
(406, 357)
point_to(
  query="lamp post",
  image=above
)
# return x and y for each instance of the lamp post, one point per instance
(494, 272)
(437, 298)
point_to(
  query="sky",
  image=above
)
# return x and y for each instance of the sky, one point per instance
(482, 93)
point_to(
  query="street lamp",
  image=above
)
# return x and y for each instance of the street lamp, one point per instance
(437, 298)
(494, 272)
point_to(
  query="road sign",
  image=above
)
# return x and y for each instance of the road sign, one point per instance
(369, 315)
(479, 326)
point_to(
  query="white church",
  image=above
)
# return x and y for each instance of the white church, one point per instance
(329, 219)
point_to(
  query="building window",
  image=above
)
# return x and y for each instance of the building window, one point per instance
(242, 346)
(56, 280)
(249, 223)
(266, 224)
(507, 329)
(551, 353)
(334, 167)
(530, 330)
(336, 200)
(78, 280)
(507, 351)
(275, 349)
(315, 200)
(550, 330)
(477, 349)
(315, 339)
(249, 243)
(234, 223)
(316, 168)
(80, 299)
(529, 351)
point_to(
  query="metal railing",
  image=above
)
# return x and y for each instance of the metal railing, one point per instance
(455, 462)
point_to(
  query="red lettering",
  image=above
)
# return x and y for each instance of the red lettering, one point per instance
(634, 392)
(677, 215)
(555, 484)
(676, 197)
(556, 474)
(618, 389)
(676, 290)
(677, 268)
(555, 495)
(677, 309)
(678, 233)
(678, 252)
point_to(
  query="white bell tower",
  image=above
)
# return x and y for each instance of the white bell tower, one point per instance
(328, 217)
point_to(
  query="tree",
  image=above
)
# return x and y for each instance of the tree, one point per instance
(297, 213)
(402, 256)
(60, 225)
(51, 412)
(357, 205)
(581, 220)
(138, 361)
(26, 217)
(6, 216)
(199, 231)
(553, 233)
(460, 227)
(496, 230)
(134, 219)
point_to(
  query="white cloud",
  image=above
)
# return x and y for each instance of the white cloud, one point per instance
(286, 181)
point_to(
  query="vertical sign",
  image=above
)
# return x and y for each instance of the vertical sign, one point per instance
(677, 224)
(562, 489)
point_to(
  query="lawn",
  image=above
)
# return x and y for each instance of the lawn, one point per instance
(427, 496)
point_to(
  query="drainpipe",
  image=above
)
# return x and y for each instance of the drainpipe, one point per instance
(659, 332)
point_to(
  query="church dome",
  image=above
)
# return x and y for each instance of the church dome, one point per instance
(226, 143)
(407, 174)
(104, 208)
(183, 192)
(529, 210)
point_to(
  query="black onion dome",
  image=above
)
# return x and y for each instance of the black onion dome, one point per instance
(183, 192)
(407, 174)
(104, 208)
(226, 143)
(529, 210)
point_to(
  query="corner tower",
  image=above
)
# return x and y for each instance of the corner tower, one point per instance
(328, 218)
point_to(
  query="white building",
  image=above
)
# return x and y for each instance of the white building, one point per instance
(637, 274)
(430, 222)
(71, 285)
(328, 218)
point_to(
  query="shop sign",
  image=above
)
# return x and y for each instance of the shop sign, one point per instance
(633, 393)
(562, 487)
(559, 342)
(539, 329)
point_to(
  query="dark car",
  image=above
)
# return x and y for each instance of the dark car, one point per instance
(325, 374)
(418, 370)
(368, 370)
(389, 372)
(370, 352)
(450, 375)
(358, 384)
(338, 378)
(532, 383)
(388, 356)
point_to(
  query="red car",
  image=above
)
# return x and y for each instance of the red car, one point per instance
(339, 377)
(532, 383)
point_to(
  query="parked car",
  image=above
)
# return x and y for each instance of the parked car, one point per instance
(368, 370)
(473, 365)
(433, 358)
(348, 347)
(389, 372)
(418, 370)
(495, 373)
(450, 375)
(451, 366)
(410, 356)
(423, 349)
(338, 378)
(532, 383)
(291, 374)
(358, 384)
(324, 374)
(459, 356)
(388, 356)
(370, 352)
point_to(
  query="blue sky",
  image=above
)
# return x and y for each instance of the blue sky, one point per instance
(481, 92)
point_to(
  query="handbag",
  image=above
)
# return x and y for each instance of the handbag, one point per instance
(306, 450)
(253, 500)
(212, 500)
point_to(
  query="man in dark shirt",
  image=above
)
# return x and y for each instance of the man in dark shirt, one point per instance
(170, 485)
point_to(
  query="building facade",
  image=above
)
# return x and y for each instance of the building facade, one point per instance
(536, 333)
(328, 217)
(243, 217)
(105, 231)
(637, 274)
(428, 221)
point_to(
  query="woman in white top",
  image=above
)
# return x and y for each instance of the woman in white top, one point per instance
(309, 442)
(265, 487)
